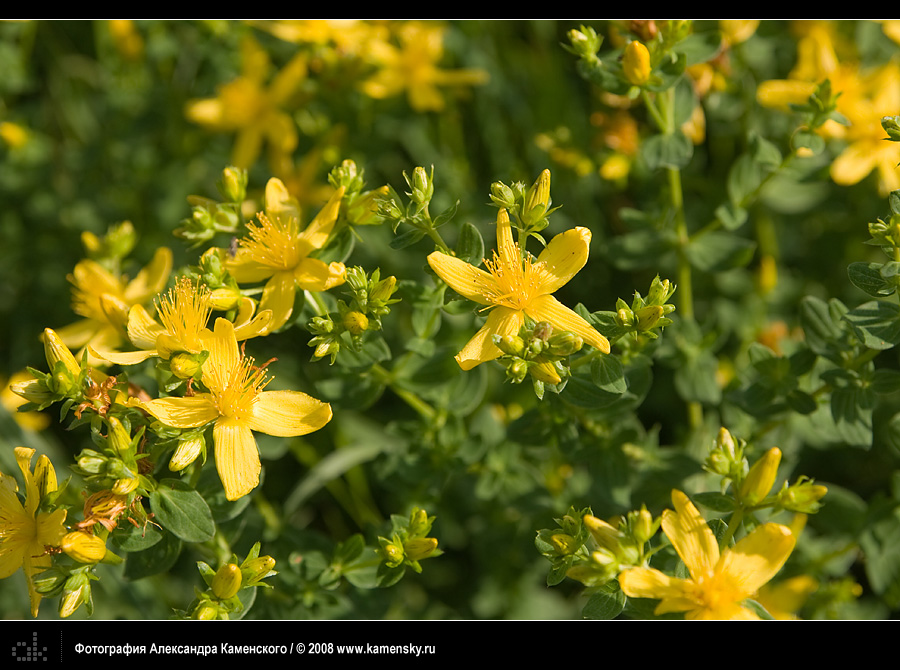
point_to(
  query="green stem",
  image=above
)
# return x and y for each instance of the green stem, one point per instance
(736, 520)
(425, 410)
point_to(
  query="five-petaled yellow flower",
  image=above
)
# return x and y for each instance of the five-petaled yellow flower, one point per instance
(513, 288)
(719, 581)
(238, 405)
(183, 315)
(103, 299)
(278, 251)
(25, 533)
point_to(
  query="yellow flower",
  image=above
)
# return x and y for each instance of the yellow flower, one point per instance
(867, 148)
(25, 533)
(276, 250)
(252, 109)
(719, 581)
(784, 599)
(413, 66)
(103, 299)
(183, 315)
(238, 405)
(513, 289)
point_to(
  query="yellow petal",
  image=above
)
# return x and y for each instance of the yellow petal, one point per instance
(23, 458)
(563, 258)
(781, 93)
(152, 279)
(248, 325)
(755, 559)
(280, 204)
(143, 329)
(245, 269)
(237, 457)
(311, 274)
(507, 249)
(316, 234)
(288, 413)
(853, 165)
(501, 321)
(121, 357)
(548, 308)
(691, 537)
(465, 279)
(278, 296)
(190, 412)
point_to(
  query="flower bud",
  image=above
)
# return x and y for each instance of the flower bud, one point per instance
(383, 290)
(512, 345)
(393, 555)
(563, 543)
(227, 581)
(115, 309)
(545, 371)
(636, 63)
(77, 591)
(256, 569)
(603, 533)
(32, 390)
(117, 437)
(543, 330)
(234, 184)
(44, 476)
(642, 525)
(83, 547)
(625, 317)
(647, 317)
(537, 199)
(803, 497)
(224, 299)
(891, 125)
(186, 366)
(206, 611)
(55, 351)
(503, 195)
(422, 186)
(565, 343)
(355, 322)
(125, 485)
(761, 477)
(187, 452)
(419, 548)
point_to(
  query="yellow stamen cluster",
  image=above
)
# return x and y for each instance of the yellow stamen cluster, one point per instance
(184, 311)
(273, 243)
(235, 390)
(513, 285)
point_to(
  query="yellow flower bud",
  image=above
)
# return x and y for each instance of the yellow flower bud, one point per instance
(117, 437)
(125, 486)
(227, 581)
(420, 547)
(603, 533)
(44, 476)
(393, 555)
(187, 452)
(184, 365)
(83, 547)
(636, 63)
(538, 195)
(257, 569)
(761, 477)
(563, 543)
(206, 612)
(544, 371)
(224, 299)
(55, 351)
(356, 322)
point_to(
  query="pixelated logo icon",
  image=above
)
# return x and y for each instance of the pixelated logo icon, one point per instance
(22, 651)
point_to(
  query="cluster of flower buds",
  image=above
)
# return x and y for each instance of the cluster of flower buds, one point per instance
(409, 543)
(361, 208)
(114, 467)
(221, 597)
(370, 298)
(208, 217)
(538, 352)
(529, 208)
(726, 458)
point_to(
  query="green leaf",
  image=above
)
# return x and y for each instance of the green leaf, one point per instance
(867, 277)
(182, 511)
(155, 560)
(470, 245)
(608, 373)
(671, 150)
(744, 179)
(606, 603)
(717, 502)
(876, 324)
(407, 238)
(731, 216)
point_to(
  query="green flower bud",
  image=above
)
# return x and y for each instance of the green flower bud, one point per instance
(647, 317)
(32, 390)
(227, 581)
(503, 195)
(564, 544)
(257, 569)
(77, 591)
(512, 345)
(891, 125)
(803, 497)
(206, 611)
(625, 317)
(565, 343)
(543, 330)
(642, 526)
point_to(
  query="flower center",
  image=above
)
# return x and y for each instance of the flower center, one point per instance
(515, 283)
(273, 243)
(184, 312)
(236, 390)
